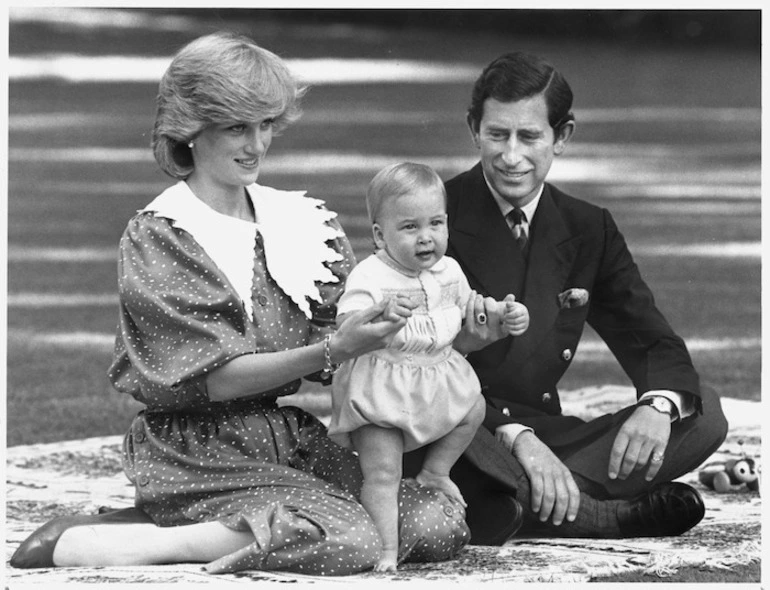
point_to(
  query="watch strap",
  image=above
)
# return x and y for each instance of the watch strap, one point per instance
(659, 403)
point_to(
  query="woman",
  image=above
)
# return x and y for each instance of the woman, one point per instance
(228, 293)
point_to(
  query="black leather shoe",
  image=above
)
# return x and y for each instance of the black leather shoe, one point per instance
(667, 510)
(494, 518)
(37, 549)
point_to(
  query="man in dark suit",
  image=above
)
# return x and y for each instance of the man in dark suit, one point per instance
(566, 260)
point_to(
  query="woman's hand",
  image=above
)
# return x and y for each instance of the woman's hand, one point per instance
(370, 329)
(359, 332)
(483, 324)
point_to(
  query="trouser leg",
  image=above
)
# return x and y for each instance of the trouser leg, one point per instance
(492, 469)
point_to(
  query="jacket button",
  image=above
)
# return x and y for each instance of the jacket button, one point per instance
(262, 300)
(139, 437)
(144, 480)
(566, 354)
(546, 397)
(506, 412)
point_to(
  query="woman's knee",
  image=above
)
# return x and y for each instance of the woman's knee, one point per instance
(355, 547)
(432, 527)
(335, 539)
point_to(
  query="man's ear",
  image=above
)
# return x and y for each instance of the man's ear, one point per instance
(474, 132)
(563, 136)
(379, 239)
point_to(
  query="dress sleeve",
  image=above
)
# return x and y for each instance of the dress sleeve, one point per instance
(179, 319)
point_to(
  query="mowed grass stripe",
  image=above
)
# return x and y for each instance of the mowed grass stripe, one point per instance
(737, 250)
(626, 153)
(688, 196)
(392, 118)
(320, 71)
(692, 250)
(727, 180)
(42, 254)
(588, 349)
(39, 300)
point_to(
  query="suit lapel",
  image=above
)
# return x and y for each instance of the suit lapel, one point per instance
(482, 240)
(551, 256)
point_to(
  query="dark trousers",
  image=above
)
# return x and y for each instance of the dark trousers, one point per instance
(487, 470)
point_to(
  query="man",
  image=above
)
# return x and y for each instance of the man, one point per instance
(565, 259)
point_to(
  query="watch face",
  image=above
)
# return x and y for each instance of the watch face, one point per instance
(662, 405)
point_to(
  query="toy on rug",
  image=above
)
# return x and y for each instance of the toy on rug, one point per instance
(731, 475)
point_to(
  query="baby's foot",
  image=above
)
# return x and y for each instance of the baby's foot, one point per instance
(441, 483)
(387, 562)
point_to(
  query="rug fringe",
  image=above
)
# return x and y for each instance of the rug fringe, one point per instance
(665, 564)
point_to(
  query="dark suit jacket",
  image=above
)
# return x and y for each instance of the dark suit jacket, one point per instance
(573, 244)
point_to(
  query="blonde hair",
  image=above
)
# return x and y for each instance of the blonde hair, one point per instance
(219, 78)
(397, 180)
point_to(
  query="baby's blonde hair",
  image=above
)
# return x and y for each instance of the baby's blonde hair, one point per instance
(219, 78)
(397, 180)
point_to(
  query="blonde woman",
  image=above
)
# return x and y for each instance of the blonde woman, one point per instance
(228, 296)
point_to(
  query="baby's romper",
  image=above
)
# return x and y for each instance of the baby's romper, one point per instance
(419, 384)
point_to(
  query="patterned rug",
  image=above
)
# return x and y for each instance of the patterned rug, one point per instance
(70, 477)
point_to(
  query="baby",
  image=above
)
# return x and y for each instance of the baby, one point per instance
(419, 391)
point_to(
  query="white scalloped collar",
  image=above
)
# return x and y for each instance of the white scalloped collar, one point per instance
(294, 231)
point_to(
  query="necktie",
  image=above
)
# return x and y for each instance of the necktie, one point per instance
(519, 228)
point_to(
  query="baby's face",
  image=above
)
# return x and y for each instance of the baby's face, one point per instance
(413, 229)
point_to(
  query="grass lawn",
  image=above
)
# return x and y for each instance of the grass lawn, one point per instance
(668, 139)
(58, 353)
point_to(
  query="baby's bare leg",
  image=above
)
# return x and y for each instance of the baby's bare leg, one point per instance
(443, 453)
(380, 453)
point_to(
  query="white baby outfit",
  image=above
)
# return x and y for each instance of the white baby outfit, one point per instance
(419, 384)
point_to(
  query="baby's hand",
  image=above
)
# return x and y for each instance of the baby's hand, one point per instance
(397, 308)
(515, 316)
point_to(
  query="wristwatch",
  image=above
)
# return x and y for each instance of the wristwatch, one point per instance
(660, 403)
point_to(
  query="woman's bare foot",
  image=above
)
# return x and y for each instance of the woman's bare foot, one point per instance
(441, 483)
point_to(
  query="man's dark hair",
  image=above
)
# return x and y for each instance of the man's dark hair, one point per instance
(516, 76)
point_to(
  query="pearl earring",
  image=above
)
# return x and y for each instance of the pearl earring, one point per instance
(191, 144)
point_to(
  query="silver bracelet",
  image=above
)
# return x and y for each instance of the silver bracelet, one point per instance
(329, 367)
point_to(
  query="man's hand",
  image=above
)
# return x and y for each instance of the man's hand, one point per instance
(482, 325)
(554, 493)
(642, 440)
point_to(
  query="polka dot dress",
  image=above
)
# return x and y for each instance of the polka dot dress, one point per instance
(248, 463)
